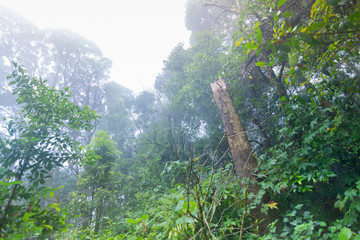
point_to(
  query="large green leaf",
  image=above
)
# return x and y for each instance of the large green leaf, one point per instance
(345, 233)
(316, 26)
(280, 3)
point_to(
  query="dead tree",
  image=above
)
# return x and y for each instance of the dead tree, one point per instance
(244, 161)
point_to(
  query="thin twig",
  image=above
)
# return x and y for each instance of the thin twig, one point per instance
(207, 224)
(213, 166)
(225, 153)
(243, 215)
(335, 33)
(195, 234)
(253, 129)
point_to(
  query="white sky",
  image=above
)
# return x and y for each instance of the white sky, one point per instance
(137, 35)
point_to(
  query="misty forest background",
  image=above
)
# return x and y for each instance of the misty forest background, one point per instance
(85, 158)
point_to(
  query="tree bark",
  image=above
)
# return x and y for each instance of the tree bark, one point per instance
(244, 161)
(243, 158)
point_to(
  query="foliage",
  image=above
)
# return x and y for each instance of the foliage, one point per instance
(34, 144)
(117, 118)
(293, 74)
(64, 58)
(184, 211)
(98, 185)
(292, 68)
(312, 161)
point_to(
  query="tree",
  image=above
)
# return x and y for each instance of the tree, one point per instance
(197, 18)
(99, 184)
(118, 119)
(34, 143)
(78, 64)
(295, 51)
(184, 83)
(64, 58)
(20, 42)
(244, 160)
(220, 17)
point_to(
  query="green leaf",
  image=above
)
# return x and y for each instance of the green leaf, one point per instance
(287, 81)
(260, 64)
(129, 220)
(51, 194)
(316, 26)
(2, 171)
(258, 35)
(355, 17)
(280, 3)
(184, 219)
(345, 233)
(357, 237)
(333, 2)
(26, 217)
(48, 226)
(275, 17)
(310, 40)
(284, 47)
(179, 206)
(10, 183)
(287, 14)
(144, 216)
(192, 206)
(283, 98)
(252, 45)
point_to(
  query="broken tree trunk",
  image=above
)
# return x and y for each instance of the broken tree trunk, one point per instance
(243, 158)
(244, 161)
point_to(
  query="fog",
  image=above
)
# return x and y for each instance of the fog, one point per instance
(134, 35)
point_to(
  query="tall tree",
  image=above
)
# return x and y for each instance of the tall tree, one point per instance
(63, 57)
(118, 119)
(20, 42)
(79, 65)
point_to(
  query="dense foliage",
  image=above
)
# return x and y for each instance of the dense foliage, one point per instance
(158, 165)
(36, 141)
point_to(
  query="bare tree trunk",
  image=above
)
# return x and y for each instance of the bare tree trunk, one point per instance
(98, 218)
(244, 161)
(240, 148)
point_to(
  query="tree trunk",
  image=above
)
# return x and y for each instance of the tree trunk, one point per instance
(244, 161)
(97, 219)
